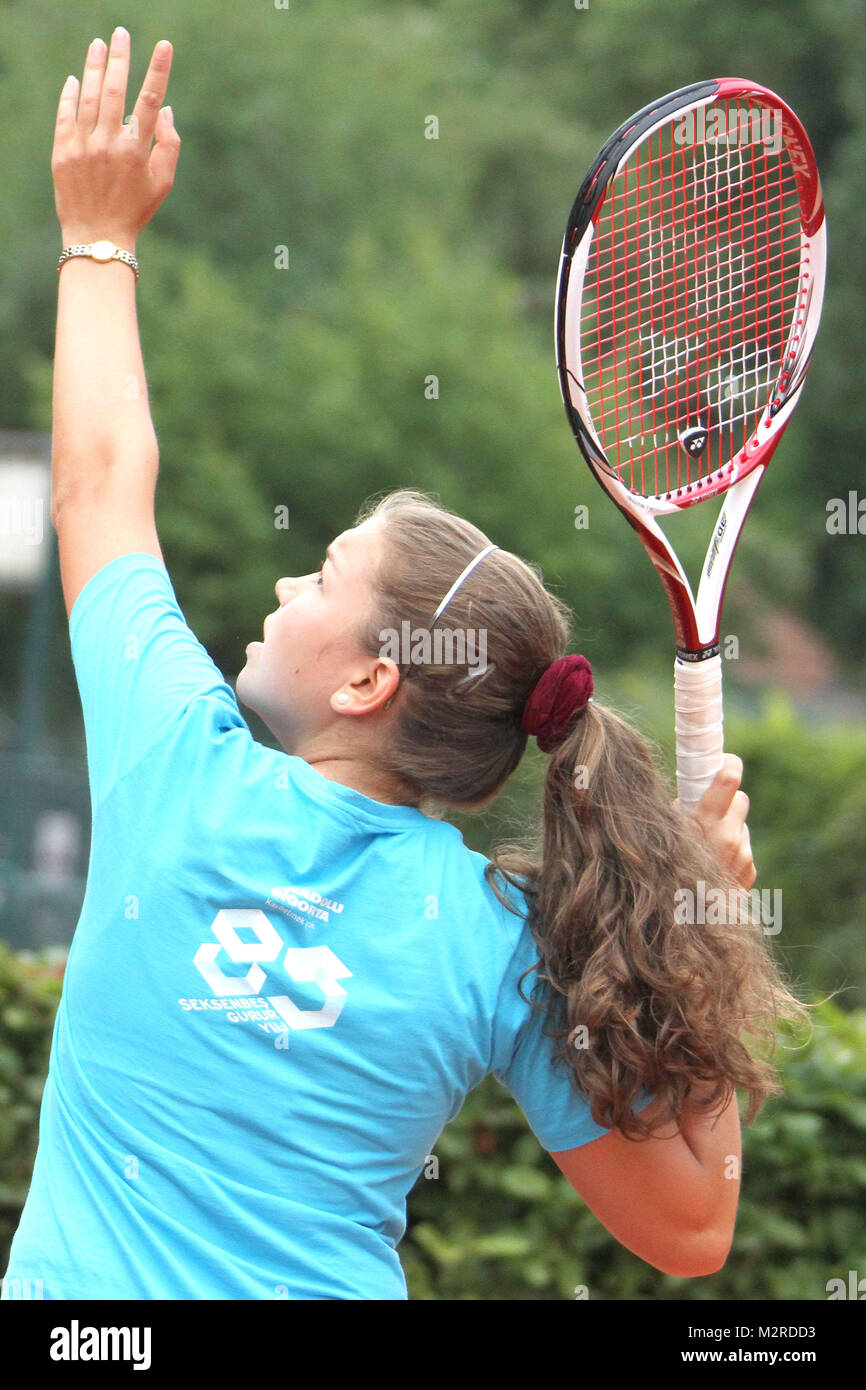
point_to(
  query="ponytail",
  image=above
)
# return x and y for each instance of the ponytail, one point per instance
(637, 996)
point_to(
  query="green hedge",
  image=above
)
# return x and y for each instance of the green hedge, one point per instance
(807, 787)
(29, 995)
(500, 1222)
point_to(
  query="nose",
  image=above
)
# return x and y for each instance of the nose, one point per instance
(285, 588)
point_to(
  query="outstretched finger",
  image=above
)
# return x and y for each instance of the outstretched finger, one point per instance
(91, 87)
(113, 97)
(152, 94)
(164, 156)
(64, 126)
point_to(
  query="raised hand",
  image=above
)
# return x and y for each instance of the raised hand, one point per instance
(109, 178)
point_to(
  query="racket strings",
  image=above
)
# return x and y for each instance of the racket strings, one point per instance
(690, 288)
(607, 294)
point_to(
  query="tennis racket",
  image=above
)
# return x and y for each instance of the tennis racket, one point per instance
(688, 300)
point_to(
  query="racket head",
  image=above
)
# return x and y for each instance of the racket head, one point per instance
(689, 294)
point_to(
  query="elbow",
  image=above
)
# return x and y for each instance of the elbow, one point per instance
(72, 484)
(700, 1254)
(78, 484)
(57, 500)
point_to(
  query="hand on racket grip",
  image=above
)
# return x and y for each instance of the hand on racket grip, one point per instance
(722, 812)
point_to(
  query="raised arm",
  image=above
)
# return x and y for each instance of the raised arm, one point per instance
(109, 179)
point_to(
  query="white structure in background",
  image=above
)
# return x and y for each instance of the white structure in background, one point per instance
(25, 516)
(56, 847)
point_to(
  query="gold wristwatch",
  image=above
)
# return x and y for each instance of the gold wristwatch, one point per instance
(99, 251)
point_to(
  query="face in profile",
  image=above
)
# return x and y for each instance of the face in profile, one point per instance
(309, 652)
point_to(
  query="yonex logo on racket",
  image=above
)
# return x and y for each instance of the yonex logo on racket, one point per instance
(715, 543)
(694, 440)
(731, 126)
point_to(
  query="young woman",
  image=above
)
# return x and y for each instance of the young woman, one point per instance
(289, 969)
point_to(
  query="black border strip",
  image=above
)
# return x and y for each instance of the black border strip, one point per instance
(612, 151)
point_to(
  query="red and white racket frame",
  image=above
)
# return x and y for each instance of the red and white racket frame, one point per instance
(698, 666)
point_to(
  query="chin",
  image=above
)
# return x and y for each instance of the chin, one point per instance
(244, 688)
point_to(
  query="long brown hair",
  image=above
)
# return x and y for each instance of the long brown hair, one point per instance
(636, 999)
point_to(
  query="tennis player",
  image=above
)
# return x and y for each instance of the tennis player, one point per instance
(289, 970)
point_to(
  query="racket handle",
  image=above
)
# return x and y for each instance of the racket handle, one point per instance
(700, 738)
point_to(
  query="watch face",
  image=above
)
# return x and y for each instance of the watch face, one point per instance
(102, 250)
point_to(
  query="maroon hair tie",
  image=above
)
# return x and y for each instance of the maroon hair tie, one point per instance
(558, 698)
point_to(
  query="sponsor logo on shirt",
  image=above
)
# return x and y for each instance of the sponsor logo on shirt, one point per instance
(304, 904)
(239, 1011)
(242, 998)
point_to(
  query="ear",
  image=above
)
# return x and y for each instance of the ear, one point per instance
(370, 691)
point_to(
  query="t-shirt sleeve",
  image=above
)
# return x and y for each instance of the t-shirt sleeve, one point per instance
(557, 1112)
(138, 666)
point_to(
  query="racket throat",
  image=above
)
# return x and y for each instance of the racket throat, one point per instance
(702, 654)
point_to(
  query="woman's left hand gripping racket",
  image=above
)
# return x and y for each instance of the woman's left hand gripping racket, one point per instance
(688, 301)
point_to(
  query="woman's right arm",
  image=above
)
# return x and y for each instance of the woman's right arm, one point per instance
(671, 1199)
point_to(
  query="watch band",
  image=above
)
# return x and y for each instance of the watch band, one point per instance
(99, 251)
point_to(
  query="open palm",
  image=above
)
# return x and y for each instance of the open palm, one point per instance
(109, 178)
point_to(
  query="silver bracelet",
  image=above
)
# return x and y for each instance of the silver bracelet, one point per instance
(102, 251)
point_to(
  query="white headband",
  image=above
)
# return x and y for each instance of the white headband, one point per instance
(456, 585)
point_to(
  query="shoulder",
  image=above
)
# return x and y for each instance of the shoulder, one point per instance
(118, 577)
(506, 892)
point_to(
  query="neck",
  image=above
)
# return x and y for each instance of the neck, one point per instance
(360, 776)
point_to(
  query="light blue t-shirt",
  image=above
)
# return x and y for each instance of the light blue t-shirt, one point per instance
(278, 994)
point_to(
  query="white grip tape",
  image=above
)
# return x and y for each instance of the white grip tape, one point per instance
(700, 738)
